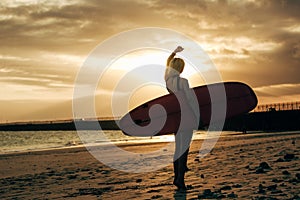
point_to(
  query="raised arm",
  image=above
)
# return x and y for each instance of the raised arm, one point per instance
(178, 49)
(170, 58)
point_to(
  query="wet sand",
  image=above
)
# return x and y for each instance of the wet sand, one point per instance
(250, 166)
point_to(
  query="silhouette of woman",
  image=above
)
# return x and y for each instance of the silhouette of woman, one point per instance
(183, 137)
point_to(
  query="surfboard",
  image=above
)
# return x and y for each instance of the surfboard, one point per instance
(162, 116)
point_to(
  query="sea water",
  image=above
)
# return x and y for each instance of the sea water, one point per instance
(23, 141)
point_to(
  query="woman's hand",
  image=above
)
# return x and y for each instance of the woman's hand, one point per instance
(178, 49)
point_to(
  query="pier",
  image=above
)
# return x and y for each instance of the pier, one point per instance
(268, 117)
(278, 106)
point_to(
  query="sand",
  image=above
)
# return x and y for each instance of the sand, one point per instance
(249, 166)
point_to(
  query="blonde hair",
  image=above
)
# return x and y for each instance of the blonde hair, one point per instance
(177, 64)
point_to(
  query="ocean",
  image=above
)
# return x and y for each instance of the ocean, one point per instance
(24, 141)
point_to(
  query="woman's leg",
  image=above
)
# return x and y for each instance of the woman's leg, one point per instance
(182, 143)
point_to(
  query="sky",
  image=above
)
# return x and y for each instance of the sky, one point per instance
(44, 44)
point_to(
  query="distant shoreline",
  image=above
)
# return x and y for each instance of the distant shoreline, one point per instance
(64, 125)
(255, 121)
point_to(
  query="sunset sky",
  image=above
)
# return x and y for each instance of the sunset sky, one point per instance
(44, 44)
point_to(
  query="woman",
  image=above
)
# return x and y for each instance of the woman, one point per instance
(183, 137)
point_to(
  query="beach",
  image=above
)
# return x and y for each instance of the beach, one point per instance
(240, 166)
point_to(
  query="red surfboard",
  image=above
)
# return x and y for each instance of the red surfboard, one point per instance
(163, 115)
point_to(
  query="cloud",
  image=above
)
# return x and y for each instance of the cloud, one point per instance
(43, 43)
(278, 90)
(247, 38)
(278, 93)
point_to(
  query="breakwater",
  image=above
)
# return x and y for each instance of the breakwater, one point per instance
(272, 120)
(284, 120)
(61, 125)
